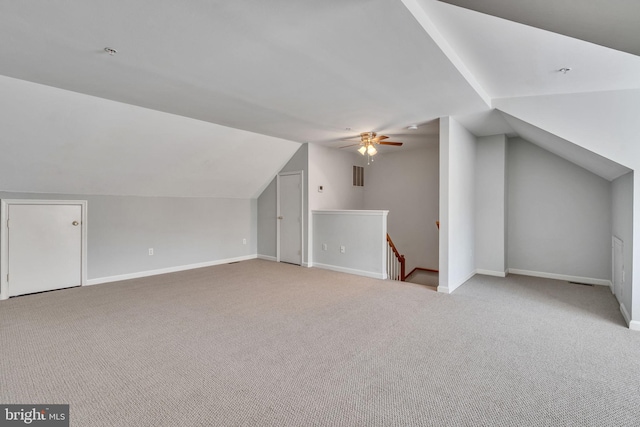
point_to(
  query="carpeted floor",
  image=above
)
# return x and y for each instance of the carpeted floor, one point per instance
(259, 343)
(427, 278)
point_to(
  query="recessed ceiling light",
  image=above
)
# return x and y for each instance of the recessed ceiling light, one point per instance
(110, 51)
(564, 70)
(412, 127)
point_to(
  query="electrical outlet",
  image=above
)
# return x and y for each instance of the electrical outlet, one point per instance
(244, 241)
(324, 246)
(150, 251)
(342, 249)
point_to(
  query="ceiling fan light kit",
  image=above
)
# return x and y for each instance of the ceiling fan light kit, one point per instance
(368, 141)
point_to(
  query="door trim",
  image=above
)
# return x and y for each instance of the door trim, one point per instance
(301, 174)
(4, 241)
(616, 240)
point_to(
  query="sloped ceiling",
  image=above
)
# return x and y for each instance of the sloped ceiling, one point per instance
(589, 160)
(610, 23)
(211, 98)
(513, 60)
(299, 70)
(605, 123)
(57, 141)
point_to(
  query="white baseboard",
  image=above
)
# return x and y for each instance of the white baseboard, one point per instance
(634, 325)
(491, 273)
(272, 258)
(364, 273)
(469, 276)
(139, 274)
(448, 290)
(587, 280)
(625, 314)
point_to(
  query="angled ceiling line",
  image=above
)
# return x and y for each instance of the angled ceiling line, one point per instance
(567, 149)
(429, 26)
(611, 23)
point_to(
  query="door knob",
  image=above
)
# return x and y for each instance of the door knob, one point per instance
(75, 223)
(280, 217)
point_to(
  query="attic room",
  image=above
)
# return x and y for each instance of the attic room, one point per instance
(174, 132)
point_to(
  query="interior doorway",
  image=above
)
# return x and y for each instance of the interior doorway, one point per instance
(43, 246)
(289, 241)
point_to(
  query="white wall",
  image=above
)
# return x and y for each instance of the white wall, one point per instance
(322, 166)
(182, 231)
(604, 122)
(622, 227)
(457, 204)
(559, 216)
(363, 235)
(491, 221)
(333, 169)
(406, 184)
(635, 265)
(267, 206)
(267, 228)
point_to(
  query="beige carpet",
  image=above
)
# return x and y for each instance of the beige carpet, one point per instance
(427, 278)
(264, 344)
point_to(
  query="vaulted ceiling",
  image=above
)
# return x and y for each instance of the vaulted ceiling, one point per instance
(200, 94)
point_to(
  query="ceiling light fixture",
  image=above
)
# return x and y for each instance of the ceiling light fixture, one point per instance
(564, 70)
(412, 127)
(110, 51)
(368, 141)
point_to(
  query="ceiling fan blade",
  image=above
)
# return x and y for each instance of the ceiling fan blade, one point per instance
(352, 145)
(380, 138)
(352, 138)
(397, 144)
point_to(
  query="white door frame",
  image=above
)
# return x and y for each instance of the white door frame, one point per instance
(278, 213)
(4, 241)
(614, 240)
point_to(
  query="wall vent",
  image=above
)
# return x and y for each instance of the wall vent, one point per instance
(358, 176)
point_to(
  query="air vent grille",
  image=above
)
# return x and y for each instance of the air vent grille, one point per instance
(358, 176)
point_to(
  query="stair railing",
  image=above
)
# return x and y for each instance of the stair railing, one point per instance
(395, 262)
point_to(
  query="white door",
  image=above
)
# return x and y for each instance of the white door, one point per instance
(618, 267)
(290, 218)
(44, 247)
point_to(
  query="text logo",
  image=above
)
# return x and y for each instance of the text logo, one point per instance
(34, 415)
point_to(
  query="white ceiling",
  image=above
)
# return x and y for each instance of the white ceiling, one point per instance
(514, 60)
(263, 74)
(611, 23)
(589, 160)
(302, 70)
(57, 141)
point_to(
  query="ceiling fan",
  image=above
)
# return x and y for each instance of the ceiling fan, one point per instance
(368, 141)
